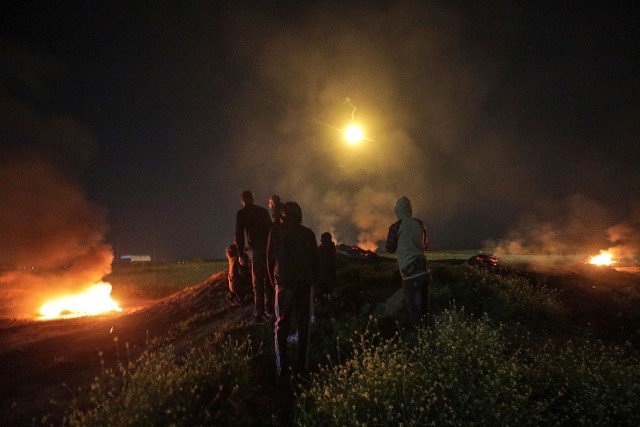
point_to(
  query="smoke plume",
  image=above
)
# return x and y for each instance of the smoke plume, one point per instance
(51, 237)
(577, 227)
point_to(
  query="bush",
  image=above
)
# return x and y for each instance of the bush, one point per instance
(507, 300)
(465, 373)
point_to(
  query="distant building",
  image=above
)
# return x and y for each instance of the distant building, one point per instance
(136, 258)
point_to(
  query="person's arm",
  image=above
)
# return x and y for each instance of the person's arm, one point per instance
(239, 234)
(271, 259)
(392, 238)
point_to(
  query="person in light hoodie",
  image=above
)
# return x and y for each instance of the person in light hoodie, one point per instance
(408, 238)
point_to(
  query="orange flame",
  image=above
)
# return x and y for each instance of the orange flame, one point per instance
(95, 300)
(605, 258)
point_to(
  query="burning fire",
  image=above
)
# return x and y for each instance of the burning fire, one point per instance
(95, 300)
(605, 258)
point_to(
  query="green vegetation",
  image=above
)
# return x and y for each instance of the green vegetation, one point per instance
(500, 350)
(205, 386)
(158, 280)
(461, 373)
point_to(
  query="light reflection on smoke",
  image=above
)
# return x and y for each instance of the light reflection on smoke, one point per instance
(52, 236)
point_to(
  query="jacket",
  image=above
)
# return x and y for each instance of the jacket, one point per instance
(292, 255)
(408, 237)
(254, 221)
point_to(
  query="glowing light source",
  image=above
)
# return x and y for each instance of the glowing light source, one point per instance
(354, 134)
(605, 258)
(95, 300)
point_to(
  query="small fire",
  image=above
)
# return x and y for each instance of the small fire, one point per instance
(605, 258)
(95, 300)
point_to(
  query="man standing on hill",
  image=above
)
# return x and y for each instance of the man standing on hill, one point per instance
(253, 223)
(408, 236)
(293, 251)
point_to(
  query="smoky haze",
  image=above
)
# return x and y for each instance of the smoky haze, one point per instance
(418, 92)
(51, 235)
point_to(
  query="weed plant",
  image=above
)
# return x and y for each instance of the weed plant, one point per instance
(205, 386)
(462, 373)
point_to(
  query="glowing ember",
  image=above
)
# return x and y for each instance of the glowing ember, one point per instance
(605, 258)
(354, 134)
(95, 300)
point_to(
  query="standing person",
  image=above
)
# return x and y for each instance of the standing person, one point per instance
(408, 236)
(253, 223)
(277, 208)
(327, 256)
(292, 248)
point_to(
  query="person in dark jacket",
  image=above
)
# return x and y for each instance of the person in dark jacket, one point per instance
(277, 209)
(253, 223)
(327, 257)
(408, 237)
(292, 248)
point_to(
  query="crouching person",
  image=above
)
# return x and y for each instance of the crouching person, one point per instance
(293, 251)
(239, 276)
(408, 237)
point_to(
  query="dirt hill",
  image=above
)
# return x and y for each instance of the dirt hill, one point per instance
(48, 360)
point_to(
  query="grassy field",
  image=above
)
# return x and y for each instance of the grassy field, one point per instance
(500, 350)
(158, 280)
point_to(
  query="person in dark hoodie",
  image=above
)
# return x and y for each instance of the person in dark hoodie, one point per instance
(239, 276)
(408, 237)
(293, 251)
(253, 223)
(327, 256)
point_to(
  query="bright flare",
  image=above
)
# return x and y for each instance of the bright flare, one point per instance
(605, 258)
(95, 300)
(354, 134)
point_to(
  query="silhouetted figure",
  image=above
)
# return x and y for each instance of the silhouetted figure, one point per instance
(327, 257)
(408, 237)
(292, 248)
(277, 208)
(239, 276)
(253, 223)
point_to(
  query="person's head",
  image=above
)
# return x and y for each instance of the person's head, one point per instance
(274, 200)
(326, 238)
(247, 198)
(232, 251)
(292, 213)
(403, 207)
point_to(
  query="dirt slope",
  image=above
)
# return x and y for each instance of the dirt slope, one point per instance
(41, 361)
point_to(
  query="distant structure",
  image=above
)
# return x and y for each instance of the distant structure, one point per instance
(136, 258)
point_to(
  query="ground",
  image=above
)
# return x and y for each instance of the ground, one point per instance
(47, 360)
(44, 362)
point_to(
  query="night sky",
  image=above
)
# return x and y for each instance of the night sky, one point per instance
(138, 124)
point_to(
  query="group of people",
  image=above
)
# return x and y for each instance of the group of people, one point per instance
(286, 266)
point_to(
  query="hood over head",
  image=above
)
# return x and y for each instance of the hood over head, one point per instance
(403, 207)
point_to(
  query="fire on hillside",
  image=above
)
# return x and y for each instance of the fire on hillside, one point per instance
(94, 300)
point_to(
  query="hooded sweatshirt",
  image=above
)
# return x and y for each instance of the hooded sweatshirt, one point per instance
(408, 237)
